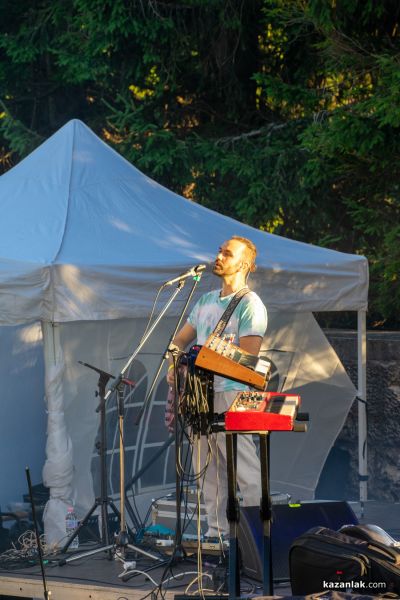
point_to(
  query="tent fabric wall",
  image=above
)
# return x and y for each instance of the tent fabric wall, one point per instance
(327, 393)
(23, 416)
(85, 241)
(306, 362)
(293, 341)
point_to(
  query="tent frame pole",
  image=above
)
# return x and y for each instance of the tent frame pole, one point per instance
(53, 360)
(362, 405)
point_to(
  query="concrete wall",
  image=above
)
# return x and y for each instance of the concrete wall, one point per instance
(339, 478)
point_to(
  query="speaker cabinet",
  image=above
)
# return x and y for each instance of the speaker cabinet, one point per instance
(288, 522)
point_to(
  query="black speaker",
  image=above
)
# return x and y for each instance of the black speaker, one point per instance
(288, 522)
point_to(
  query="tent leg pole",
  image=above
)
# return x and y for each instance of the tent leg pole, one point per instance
(362, 405)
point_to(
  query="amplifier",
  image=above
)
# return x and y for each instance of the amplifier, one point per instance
(288, 523)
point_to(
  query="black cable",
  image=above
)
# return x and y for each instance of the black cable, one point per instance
(154, 500)
(148, 323)
(152, 311)
(198, 505)
(192, 402)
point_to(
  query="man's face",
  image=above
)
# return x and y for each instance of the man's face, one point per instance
(230, 258)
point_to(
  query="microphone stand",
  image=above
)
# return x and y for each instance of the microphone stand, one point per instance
(167, 351)
(179, 287)
(47, 593)
(120, 377)
(104, 501)
(178, 550)
(119, 381)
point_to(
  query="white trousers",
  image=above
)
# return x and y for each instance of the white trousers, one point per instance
(215, 486)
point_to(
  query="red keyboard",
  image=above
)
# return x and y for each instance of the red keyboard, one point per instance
(262, 411)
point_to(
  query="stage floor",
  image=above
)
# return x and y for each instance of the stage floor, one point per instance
(96, 577)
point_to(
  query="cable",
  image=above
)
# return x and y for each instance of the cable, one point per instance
(152, 312)
(193, 414)
(198, 577)
(217, 450)
(153, 501)
(125, 576)
(193, 400)
(25, 550)
(198, 505)
(147, 326)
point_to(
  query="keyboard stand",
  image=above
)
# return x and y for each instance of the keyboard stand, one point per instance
(266, 514)
(233, 514)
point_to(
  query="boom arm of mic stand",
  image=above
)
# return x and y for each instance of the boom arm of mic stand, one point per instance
(165, 355)
(120, 377)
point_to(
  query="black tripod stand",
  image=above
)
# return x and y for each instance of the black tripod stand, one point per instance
(103, 501)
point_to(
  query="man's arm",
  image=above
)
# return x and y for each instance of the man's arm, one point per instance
(251, 343)
(183, 338)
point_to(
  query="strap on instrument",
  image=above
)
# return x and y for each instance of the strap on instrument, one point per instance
(222, 323)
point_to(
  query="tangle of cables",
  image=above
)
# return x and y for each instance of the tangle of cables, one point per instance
(194, 413)
(195, 404)
(24, 552)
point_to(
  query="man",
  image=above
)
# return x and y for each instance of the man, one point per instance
(234, 262)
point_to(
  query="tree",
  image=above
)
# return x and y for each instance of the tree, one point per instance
(283, 114)
(351, 141)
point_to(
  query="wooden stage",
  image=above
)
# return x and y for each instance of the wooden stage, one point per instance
(93, 578)
(96, 577)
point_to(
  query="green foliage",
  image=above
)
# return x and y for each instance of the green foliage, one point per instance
(283, 114)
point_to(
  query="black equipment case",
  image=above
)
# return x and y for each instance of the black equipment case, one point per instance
(358, 558)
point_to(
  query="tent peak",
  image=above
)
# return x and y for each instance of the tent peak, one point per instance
(85, 224)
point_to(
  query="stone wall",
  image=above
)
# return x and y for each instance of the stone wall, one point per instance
(339, 478)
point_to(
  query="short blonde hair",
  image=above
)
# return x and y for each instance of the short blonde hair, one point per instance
(251, 251)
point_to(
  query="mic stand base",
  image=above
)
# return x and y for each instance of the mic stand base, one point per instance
(109, 548)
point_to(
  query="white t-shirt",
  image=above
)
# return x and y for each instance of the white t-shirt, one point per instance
(248, 318)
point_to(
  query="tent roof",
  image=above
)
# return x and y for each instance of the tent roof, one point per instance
(84, 235)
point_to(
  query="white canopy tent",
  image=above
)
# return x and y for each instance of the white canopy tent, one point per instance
(85, 241)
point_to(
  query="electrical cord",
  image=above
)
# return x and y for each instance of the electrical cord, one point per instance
(147, 325)
(126, 575)
(25, 550)
(192, 413)
(199, 577)
(152, 312)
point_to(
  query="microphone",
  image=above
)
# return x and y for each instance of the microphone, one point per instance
(99, 371)
(193, 272)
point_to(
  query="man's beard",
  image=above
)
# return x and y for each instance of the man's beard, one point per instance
(218, 270)
(222, 271)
